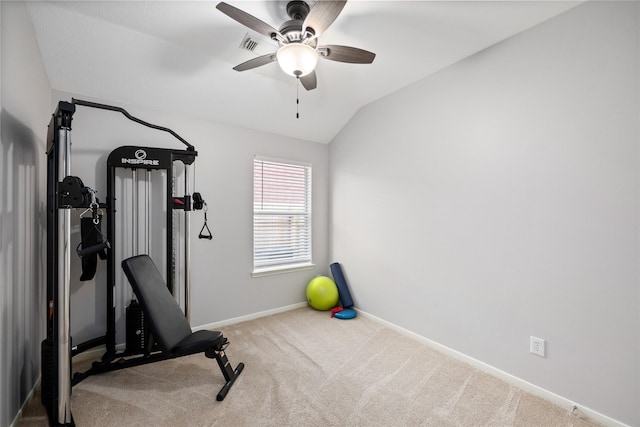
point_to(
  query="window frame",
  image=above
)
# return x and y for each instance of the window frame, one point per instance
(262, 269)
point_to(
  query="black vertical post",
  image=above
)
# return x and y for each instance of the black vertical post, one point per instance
(111, 267)
(171, 261)
(56, 349)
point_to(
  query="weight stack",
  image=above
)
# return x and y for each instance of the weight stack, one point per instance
(137, 329)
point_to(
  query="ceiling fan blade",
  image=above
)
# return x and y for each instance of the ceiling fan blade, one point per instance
(349, 54)
(322, 15)
(248, 20)
(256, 62)
(309, 82)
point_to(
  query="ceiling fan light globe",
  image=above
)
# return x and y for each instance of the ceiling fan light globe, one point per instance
(297, 59)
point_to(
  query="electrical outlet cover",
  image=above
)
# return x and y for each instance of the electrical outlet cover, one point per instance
(536, 346)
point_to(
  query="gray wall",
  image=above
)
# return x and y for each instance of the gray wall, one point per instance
(499, 199)
(25, 111)
(222, 286)
(495, 200)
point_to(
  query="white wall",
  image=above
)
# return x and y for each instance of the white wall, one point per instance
(25, 101)
(499, 199)
(222, 286)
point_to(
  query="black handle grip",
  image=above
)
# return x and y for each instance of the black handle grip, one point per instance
(93, 249)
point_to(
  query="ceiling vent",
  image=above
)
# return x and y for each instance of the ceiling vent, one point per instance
(257, 45)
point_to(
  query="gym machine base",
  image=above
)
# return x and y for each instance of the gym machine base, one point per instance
(66, 192)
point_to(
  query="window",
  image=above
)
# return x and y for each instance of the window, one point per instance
(281, 215)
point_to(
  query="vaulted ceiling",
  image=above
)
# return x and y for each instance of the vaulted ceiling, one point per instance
(178, 55)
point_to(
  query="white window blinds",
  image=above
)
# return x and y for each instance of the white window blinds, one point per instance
(281, 214)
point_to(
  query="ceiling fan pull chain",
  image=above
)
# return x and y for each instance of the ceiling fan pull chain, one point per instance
(297, 97)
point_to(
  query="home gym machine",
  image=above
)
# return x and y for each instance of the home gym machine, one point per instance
(162, 238)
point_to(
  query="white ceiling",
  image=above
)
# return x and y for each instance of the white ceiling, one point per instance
(178, 55)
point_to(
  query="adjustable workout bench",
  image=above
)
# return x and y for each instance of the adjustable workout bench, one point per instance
(168, 324)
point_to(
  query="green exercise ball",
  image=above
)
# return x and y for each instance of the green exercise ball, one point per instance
(322, 293)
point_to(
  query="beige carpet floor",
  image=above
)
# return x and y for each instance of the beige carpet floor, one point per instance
(305, 369)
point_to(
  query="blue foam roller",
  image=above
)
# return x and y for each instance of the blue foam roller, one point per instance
(343, 289)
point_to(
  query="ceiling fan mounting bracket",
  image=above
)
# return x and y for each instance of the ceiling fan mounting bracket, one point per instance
(298, 10)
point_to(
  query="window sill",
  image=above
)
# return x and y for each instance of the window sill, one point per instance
(268, 271)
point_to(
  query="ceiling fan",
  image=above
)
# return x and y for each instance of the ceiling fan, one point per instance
(298, 39)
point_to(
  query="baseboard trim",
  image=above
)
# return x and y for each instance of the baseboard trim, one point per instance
(570, 405)
(223, 323)
(29, 396)
(563, 402)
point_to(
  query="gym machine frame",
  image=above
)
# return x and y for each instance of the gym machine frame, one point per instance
(64, 193)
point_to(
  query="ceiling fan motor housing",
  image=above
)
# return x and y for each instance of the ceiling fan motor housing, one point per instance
(292, 29)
